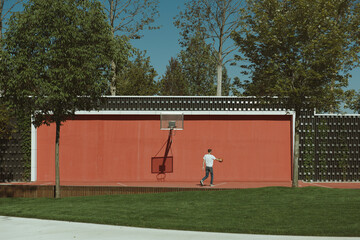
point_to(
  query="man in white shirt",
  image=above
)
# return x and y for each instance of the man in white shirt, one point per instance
(209, 162)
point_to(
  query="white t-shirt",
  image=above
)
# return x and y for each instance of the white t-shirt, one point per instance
(209, 159)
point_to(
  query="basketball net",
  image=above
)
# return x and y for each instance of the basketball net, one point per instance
(160, 177)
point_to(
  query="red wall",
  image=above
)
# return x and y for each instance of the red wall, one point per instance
(119, 148)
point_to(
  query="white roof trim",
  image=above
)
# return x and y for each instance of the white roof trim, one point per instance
(106, 112)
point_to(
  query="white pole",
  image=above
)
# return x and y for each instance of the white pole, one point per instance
(33, 153)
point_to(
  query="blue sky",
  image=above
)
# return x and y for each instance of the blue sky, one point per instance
(162, 44)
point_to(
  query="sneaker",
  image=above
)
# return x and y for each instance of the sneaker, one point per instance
(212, 185)
(202, 182)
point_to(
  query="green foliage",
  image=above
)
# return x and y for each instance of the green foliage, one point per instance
(6, 116)
(130, 17)
(13, 122)
(57, 51)
(6, 8)
(236, 87)
(214, 20)
(193, 72)
(191, 22)
(199, 67)
(309, 153)
(352, 100)
(56, 61)
(123, 52)
(174, 82)
(228, 87)
(136, 76)
(301, 49)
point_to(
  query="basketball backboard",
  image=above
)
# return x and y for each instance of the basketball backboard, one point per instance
(171, 121)
(161, 165)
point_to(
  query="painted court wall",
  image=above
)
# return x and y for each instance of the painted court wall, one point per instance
(119, 148)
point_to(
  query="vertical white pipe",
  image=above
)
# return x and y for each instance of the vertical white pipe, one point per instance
(293, 130)
(33, 153)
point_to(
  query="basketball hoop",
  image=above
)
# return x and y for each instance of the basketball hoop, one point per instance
(161, 165)
(160, 177)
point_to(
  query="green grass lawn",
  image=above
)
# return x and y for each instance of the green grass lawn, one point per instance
(275, 210)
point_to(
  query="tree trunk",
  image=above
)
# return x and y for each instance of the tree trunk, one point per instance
(113, 79)
(220, 50)
(296, 156)
(113, 65)
(57, 165)
(219, 79)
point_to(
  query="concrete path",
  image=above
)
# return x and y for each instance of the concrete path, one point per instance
(12, 228)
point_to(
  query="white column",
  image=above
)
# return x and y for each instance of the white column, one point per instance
(33, 153)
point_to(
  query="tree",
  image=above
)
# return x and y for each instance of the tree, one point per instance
(228, 87)
(134, 74)
(300, 50)
(124, 51)
(136, 77)
(216, 19)
(129, 18)
(198, 63)
(58, 55)
(6, 118)
(352, 100)
(3, 14)
(193, 71)
(174, 82)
